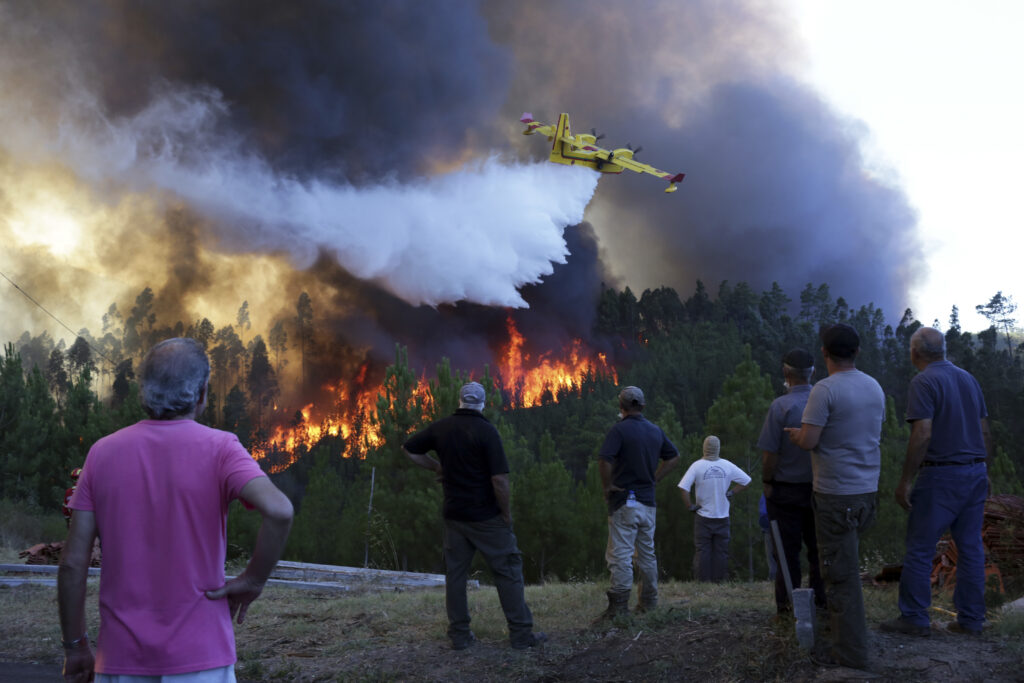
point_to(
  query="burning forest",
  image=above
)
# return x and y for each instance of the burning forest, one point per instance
(350, 230)
(348, 408)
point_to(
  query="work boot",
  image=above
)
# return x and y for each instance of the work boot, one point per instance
(618, 603)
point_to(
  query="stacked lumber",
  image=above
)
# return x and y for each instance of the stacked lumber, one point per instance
(43, 553)
(49, 553)
(1002, 534)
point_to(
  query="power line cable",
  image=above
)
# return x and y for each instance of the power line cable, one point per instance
(59, 321)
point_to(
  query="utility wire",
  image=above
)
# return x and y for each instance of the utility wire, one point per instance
(59, 321)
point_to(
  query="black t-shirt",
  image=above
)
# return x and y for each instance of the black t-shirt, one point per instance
(633, 447)
(470, 452)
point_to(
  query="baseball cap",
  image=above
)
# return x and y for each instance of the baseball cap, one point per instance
(631, 395)
(472, 395)
(799, 359)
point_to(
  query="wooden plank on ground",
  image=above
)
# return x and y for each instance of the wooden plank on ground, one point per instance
(39, 569)
(359, 575)
(326, 576)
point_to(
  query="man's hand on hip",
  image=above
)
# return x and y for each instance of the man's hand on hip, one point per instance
(240, 592)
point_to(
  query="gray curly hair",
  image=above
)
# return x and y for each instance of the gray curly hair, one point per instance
(173, 375)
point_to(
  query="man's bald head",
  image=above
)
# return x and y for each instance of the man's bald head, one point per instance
(929, 344)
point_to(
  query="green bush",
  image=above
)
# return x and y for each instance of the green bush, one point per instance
(23, 525)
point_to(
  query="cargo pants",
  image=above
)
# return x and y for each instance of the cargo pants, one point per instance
(839, 521)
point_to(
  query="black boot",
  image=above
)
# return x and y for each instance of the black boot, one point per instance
(618, 603)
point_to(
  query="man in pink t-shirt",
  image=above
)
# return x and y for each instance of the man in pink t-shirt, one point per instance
(157, 493)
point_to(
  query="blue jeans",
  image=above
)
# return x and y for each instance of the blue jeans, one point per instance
(949, 497)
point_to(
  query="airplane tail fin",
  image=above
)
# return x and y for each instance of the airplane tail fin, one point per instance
(677, 178)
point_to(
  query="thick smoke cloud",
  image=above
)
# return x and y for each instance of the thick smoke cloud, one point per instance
(368, 143)
(354, 90)
(776, 189)
(475, 234)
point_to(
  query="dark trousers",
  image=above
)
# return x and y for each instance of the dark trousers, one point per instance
(839, 522)
(951, 497)
(790, 507)
(496, 542)
(711, 538)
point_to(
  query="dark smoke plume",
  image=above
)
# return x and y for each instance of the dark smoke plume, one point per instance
(368, 143)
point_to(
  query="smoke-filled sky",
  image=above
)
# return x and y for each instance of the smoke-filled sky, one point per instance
(370, 152)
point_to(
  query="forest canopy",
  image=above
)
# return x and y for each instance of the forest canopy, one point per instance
(706, 364)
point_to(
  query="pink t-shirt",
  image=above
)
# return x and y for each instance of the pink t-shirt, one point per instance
(160, 491)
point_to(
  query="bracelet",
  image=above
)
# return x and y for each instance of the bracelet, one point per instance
(75, 643)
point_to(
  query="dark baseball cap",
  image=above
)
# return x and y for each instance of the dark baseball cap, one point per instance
(799, 359)
(631, 396)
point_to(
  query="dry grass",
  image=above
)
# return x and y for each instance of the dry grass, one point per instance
(717, 632)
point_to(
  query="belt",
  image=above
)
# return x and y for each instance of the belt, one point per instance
(943, 463)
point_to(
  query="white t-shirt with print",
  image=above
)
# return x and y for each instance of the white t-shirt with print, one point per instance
(710, 479)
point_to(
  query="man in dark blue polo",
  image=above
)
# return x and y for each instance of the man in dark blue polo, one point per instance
(477, 515)
(635, 456)
(949, 444)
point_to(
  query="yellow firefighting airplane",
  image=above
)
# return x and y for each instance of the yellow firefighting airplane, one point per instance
(580, 149)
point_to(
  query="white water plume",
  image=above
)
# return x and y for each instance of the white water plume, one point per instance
(476, 234)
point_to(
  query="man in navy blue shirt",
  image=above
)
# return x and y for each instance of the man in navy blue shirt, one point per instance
(477, 515)
(949, 444)
(635, 456)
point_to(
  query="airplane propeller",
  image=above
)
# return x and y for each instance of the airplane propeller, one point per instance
(593, 131)
(635, 151)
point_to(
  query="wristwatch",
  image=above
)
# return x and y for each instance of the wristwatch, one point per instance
(76, 643)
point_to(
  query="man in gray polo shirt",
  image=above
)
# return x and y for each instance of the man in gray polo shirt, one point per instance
(842, 427)
(786, 474)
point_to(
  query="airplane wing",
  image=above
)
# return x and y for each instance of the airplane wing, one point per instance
(581, 149)
(623, 158)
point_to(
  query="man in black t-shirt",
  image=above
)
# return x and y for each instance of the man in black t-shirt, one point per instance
(635, 456)
(477, 515)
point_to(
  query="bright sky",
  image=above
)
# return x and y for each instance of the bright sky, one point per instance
(939, 85)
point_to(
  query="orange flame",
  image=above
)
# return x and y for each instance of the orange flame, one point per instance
(527, 386)
(526, 380)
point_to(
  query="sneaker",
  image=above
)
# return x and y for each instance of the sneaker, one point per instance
(464, 643)
(957, 627)
(901, 625)
(535, 639)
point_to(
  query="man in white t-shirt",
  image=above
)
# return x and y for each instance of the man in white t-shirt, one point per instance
(714, 480)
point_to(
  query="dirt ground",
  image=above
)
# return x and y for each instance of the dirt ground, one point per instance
(725, 633)
(740, 646)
